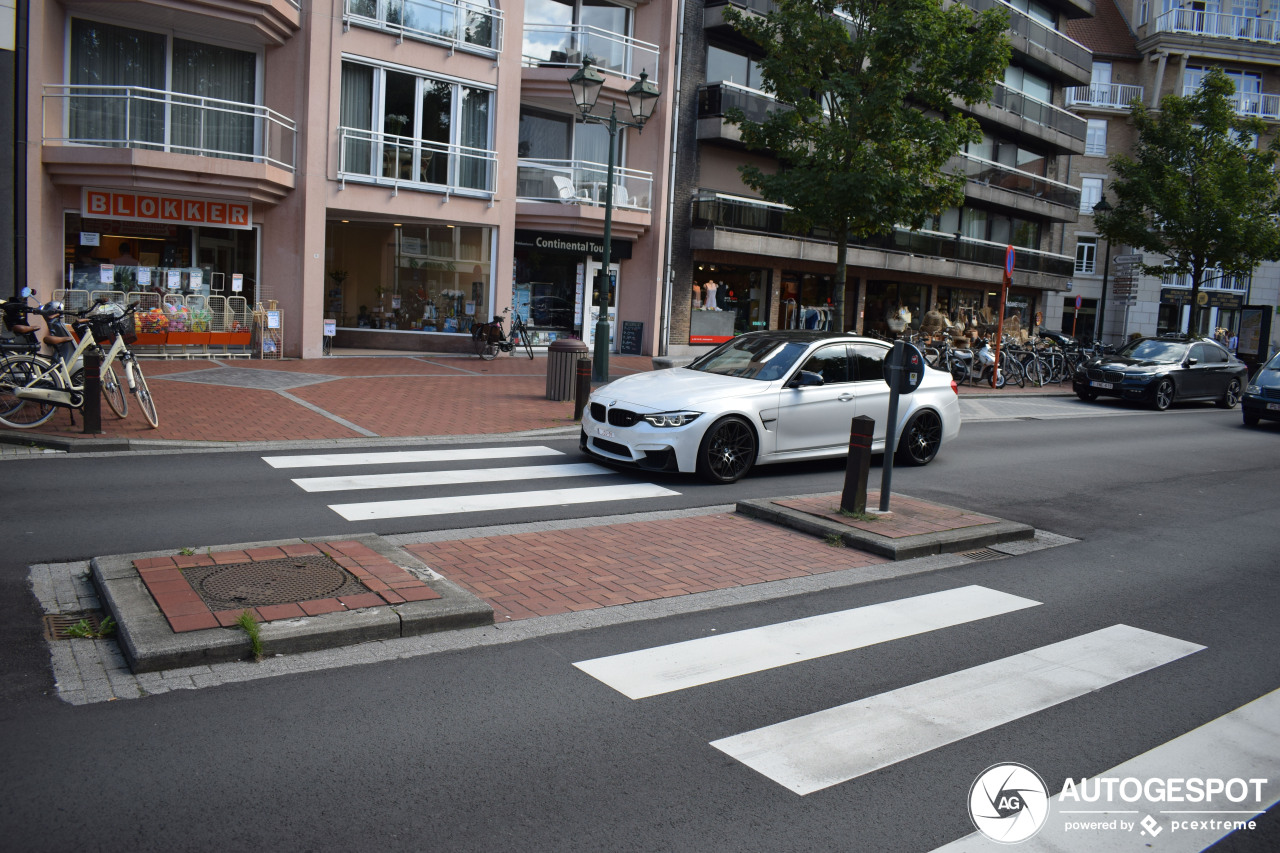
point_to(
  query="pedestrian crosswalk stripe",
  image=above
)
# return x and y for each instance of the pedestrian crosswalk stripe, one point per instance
(392, 457)
(1242, 744)
(497, 501)
(450, 477)
(818, 750)
(677, 666)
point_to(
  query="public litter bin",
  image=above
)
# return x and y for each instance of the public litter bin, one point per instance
(562, 365)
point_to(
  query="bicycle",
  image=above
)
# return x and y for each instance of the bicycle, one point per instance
(489, 337)
(32, 387)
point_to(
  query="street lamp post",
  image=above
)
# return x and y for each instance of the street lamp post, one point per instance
(586, 84)
(1103, 207)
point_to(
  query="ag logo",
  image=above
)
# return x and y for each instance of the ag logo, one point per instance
(1008, 803)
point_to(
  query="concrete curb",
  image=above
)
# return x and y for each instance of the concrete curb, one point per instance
(150, 645)
(895, 548)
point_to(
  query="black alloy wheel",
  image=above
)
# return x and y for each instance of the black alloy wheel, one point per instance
(1163, 396)
(1251, 419)
(728, 450)
(1087, 396)
(921, 439)
(1231, 396)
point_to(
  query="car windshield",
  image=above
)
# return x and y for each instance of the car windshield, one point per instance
(766, 359)
(1153, 350)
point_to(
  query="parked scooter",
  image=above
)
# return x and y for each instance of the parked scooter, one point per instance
(987, 363)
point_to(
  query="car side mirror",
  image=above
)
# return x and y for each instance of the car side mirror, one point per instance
(1191, 362)
(805, 379)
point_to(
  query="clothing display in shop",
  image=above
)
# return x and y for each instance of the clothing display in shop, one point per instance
(709, 301)
(697, 295)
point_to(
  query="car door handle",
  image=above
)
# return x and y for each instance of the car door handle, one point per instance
(845, 397)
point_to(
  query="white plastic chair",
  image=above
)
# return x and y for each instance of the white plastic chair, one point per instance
(568, 193)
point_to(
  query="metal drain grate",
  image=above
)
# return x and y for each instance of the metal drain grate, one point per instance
(983, 554)
(282, 581)
(56, 625)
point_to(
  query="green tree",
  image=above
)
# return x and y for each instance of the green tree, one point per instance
(870, 88)
(1197, 189)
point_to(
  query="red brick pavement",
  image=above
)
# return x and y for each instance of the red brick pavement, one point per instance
(549, 572)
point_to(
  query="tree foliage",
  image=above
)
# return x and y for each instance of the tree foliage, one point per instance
(871, 86)
(1197, 190)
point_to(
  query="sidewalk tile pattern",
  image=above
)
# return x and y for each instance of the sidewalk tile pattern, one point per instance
(909, 517)
(186, 611)
(550, 572)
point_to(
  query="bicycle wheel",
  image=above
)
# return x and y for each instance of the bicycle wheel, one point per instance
(143, 394)
(112, 390)
(16, 372)
(527, 340)
(1037, 371)
(486, 347)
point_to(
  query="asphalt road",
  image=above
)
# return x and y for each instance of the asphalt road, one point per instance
(514, 746)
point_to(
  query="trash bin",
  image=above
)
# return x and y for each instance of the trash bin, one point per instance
(562, 365)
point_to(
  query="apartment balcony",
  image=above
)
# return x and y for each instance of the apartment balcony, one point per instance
(565, 46)
(402, 162)
(1032, 121)
(1104, 96)
(713, 12)
(250, 21)
(1016, 190)
(558, 193)
(717, 98)
(99, 133)
(455, 24)
(1215, 25)
(1044, 49)
(728, 223)
(1251, 104)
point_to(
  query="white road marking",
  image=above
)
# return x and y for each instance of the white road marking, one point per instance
(450, 477)
(818, 750)
(499, 501)
(1242, 744)
(649, 672)
(399, 456)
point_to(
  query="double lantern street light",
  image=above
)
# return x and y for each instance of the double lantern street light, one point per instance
(586, 84)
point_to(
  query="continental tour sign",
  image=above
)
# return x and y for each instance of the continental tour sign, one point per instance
(143, 206)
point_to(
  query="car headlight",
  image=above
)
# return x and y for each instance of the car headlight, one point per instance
(671, 419)
(1253, 389)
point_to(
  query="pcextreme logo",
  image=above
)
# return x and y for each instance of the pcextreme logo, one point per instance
(1008, 803)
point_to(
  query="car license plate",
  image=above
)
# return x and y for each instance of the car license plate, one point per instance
(604, 433)
(1096, 384)
(1273, 407)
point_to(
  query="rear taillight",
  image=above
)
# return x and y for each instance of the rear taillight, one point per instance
(955, 389)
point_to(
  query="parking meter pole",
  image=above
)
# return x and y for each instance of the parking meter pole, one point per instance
(854, 496)
(582, 387)
(92, 408)
(891, 429)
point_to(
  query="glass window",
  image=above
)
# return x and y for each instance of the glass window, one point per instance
(1090, 193)
(1086, 254)
(868, 362)
(831, 363)
(1095, 142)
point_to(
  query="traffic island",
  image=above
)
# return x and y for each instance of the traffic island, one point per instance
(182, 609)
(913, 528)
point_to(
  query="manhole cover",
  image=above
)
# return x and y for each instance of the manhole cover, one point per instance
(57, 625)
(282, 581)
(983, 554)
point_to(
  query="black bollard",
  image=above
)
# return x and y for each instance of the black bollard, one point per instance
(854, 497)
(92, 407)
(582, 388)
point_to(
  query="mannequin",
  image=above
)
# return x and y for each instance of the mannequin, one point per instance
(697, 295)
(709, 301)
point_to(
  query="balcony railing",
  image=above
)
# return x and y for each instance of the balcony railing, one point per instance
(762, 7)
(1213, 280)
(578, 182)
(457, 23)
(1038, 34)
(1037, 111)
(1254, 104)
(733, 213)
(993, 174)
(158, 120)
(714, 99)
(1217, 25)
(1113, 95)
(611, 53)
(383, 158)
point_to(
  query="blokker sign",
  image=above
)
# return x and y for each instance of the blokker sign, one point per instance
(156, 207)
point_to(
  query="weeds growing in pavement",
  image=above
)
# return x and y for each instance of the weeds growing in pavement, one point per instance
(856, 516)
(187, 552)
(249, 625)
(835, 540)
(84, 629)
